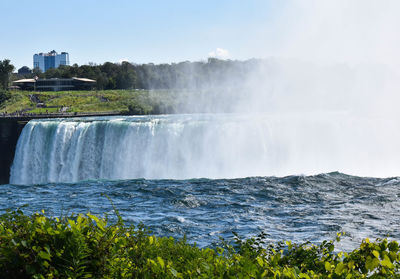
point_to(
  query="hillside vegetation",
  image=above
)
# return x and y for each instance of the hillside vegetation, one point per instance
(118, 101)
(137, 89)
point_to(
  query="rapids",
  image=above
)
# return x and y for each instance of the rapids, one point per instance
(297, 208)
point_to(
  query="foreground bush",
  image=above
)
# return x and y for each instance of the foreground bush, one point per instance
(85, 246)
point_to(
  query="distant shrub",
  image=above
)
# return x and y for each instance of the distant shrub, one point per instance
(4, 96)
(137, 109)
(85, 246)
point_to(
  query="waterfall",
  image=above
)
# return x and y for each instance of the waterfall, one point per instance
(209, 145)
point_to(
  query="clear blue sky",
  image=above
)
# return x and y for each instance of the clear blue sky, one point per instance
(157, 31)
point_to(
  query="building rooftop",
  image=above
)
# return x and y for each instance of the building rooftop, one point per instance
(84, 79)
(24, 80)
(56, 84)
(34, 80)
(50, 53)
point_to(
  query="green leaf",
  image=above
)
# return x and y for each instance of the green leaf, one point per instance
(289, 244)
(371, 263)
(386, 262)
(339, 268)
(376, 254)
(205, 266)
(161, 262)
(328, 266)
(260, 261)
(303, 275)
(44, 255)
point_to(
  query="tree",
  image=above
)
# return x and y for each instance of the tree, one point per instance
(52, 73)
(37, 71)
(126, 77)
(24, 70)
(6, 70)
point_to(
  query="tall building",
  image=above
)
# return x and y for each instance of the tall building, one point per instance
(45, 61)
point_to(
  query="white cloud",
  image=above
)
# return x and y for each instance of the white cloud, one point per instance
(219, 53)
(123, 60)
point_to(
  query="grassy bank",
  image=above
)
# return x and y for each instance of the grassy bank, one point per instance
(123, 101)
(85, 246)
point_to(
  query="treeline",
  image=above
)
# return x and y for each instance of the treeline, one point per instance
(184, 75)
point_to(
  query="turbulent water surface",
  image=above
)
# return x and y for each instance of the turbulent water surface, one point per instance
(295, 207)
(153, 169)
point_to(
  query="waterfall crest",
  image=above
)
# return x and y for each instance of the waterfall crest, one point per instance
(210, 146)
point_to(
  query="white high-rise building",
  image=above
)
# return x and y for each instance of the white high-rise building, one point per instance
(45, 61)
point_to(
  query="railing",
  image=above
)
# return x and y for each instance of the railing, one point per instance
(57, 114)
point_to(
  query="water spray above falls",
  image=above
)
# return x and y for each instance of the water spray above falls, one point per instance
(191, 146)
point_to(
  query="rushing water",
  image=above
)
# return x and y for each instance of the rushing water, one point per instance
(211, 146)
(298, 208)
(152, 167)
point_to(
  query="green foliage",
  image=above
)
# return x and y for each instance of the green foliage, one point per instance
(86, 246)
(4, 96)
(183, 76)
(122, 101)
(186, 87)
(6, 69)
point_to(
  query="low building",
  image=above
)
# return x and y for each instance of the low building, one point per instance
(25, 84)
(56, 84)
